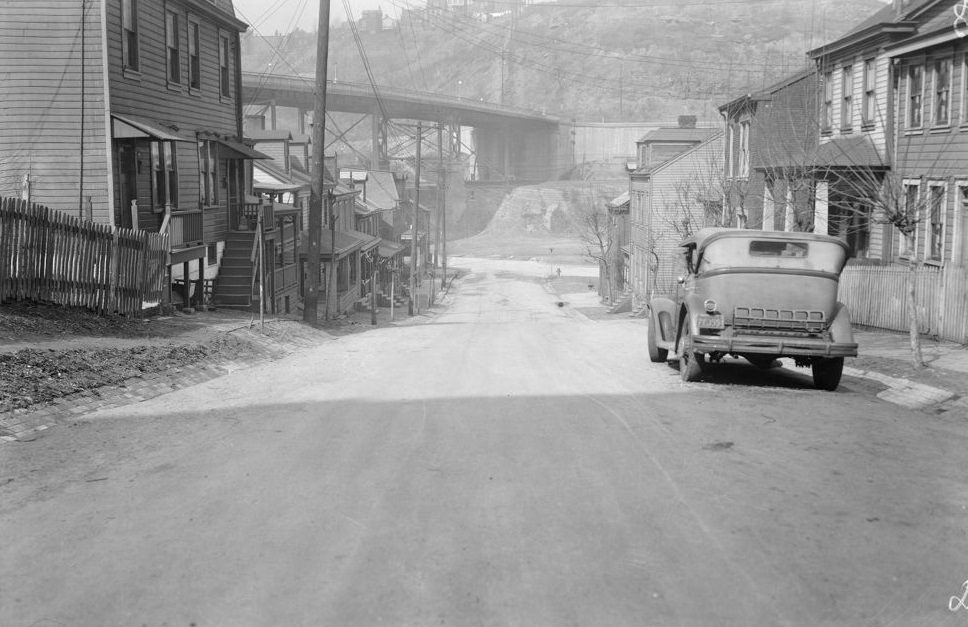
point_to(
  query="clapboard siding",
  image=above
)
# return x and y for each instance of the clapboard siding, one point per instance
(150, 95)
(43, 110)
(933, 154)
(675, 186)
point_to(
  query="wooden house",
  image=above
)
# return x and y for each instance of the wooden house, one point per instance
(770, 140)
(670, 193)
(858, 91)
(930, 151)
(128, 112)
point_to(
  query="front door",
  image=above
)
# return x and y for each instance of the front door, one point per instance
(127, 183)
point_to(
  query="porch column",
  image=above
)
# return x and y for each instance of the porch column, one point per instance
(200, 289)
(187, 285)
(769, 207)
(820, 208)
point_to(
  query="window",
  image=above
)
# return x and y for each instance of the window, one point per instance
(223, 63)
(778, 249)
(915, 87)
(942, 91)
(163, 174)
(744, 148)
(729, 150)
(207, 190)
(846, 97)
(870, 95)
(171, 43)
(828, 101)
(194, 60)
(911, 199)
(935, 243)
(129, 34)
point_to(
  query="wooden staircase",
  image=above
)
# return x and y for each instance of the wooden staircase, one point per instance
(234, 287)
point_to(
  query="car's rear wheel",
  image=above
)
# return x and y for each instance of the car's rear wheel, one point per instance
(656, 354)
(827, 373)
(690, 362)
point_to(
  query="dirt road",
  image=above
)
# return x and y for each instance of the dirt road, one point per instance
(509, 461)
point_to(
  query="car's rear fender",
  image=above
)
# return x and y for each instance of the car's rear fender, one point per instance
(692, 306)
(840, 330)
(662, 314)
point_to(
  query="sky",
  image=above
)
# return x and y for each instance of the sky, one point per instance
(269, 16)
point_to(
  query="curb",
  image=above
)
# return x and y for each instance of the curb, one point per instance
(907, 393)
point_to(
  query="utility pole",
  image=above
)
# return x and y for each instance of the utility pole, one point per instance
(311, 302)
(443, 221)
(416, 220)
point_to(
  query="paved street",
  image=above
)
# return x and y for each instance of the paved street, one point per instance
(506, 461)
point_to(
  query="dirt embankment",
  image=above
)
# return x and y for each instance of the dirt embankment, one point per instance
(48, 352)
(540, 221)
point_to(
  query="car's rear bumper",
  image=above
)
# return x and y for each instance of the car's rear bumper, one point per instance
(771, 345)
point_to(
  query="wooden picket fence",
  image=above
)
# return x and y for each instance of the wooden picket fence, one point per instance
(876, 296)
(47, 255)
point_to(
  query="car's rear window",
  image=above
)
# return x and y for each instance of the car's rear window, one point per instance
(766, 248)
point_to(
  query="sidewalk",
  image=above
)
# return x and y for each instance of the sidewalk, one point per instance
(885, 357)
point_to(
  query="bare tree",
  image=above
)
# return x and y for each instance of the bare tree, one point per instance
(595, 230)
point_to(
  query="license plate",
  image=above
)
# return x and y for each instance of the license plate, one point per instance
(710, 322)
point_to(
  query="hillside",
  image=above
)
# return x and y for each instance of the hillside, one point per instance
(609, 63)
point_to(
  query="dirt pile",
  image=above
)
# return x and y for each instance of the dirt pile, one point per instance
(549, 208)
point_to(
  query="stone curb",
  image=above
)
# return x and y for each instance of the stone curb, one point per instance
(23, 424)
(907, 393)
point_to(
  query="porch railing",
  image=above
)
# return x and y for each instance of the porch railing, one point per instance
(245, 217)
(185, 228)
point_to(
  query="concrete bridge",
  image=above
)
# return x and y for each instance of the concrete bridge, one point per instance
(506, 143)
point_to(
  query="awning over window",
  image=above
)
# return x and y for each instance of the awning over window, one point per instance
(131, 127)
(238, 150)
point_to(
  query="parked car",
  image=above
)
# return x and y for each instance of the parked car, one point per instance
(760, 295)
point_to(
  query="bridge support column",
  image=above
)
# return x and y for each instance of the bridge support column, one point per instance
(379, 159)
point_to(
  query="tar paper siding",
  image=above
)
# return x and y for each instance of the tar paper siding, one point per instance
(48, 103)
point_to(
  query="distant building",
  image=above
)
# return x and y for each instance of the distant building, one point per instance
(371, 21)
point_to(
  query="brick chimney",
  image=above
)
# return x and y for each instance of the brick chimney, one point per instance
(687, 121)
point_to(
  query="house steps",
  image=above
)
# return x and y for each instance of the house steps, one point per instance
(622, 304)
(234, 287)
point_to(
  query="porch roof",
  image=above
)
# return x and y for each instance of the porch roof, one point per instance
(619, 202)
(346, 242)
(240, 150)
(848, 152)
(389, 249)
